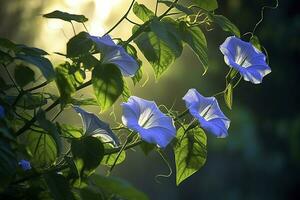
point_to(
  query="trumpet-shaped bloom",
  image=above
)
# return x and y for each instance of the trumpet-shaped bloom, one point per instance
(246, 59)
(25, 165)
(207, 111)
(93, 126)
(115, 54)
(145, 118)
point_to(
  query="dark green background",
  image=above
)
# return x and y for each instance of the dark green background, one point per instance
(261, 157)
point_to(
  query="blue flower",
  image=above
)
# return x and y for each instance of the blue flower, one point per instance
(246, 59)
(145, 118)
(2, 112)
(25, 165)
(207, 111)
(115, 54)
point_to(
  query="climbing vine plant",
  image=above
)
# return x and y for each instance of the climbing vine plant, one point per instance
(41, 157)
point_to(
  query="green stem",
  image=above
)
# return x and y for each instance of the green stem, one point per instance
(128, 146)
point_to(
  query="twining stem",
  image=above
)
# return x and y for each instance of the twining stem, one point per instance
(128, 140)
(122, 18)
(88, 83)
(11, 78)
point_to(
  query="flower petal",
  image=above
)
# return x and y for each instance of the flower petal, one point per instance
(115, 54)
(245, 58)
(208, 112)
(93, 126)
(144, 117)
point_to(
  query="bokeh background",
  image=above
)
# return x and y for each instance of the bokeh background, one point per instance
(261, 157)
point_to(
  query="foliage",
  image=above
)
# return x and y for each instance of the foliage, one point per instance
(63, 158)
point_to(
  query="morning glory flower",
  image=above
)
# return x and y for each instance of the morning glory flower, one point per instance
(2, 112)
(246, 59)
(207, 111)
(144, 117)
(115, 54)
(93, 126)
(25, 165)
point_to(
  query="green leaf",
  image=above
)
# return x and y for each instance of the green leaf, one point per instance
(178, 7)
(84, 101)
(228, 95)
(117, 187)
(147, 147)
(208, 5)
(66, 16)
(108, 84)
(64, 83)
(89, 193)
(255, 42)
(3, 85)
(70, 131)
(42, 63)
(32, 101)
(225, 24)
(42, 147)
(79, 45)
(133, 52)
(195, 38)
(89, 150)
(168, 32)
(190, 152)
(110, 159)
(5, 58)
(50, 128)
(23, 75)
(58, 186)
(7, 44)
(142, 12)
(156, 52)
(126, 92)
(8, 164)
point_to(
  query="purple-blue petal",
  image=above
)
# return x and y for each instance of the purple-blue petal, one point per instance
(2, 112)
(25, 165)
(207, 111)
(144, 117)
(245, 58)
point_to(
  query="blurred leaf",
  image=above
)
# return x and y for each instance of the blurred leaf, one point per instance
(23, 75)
(110, 159)
(3, 85)
(228, 95)
(66, 16)
(255, 42)
(42, 63)
(93, 126)
(156, 52)
(89, 193)
(50, 128)
(195, 38)
(108, 84)
(225, 24)
(208, 5)
(117, 187)
(79, 45)
(64, 83)
(178, 7)
(190, 152)
(8, 164)
(42, 147)
(58, 186)
(89, 150)
(142, 12)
